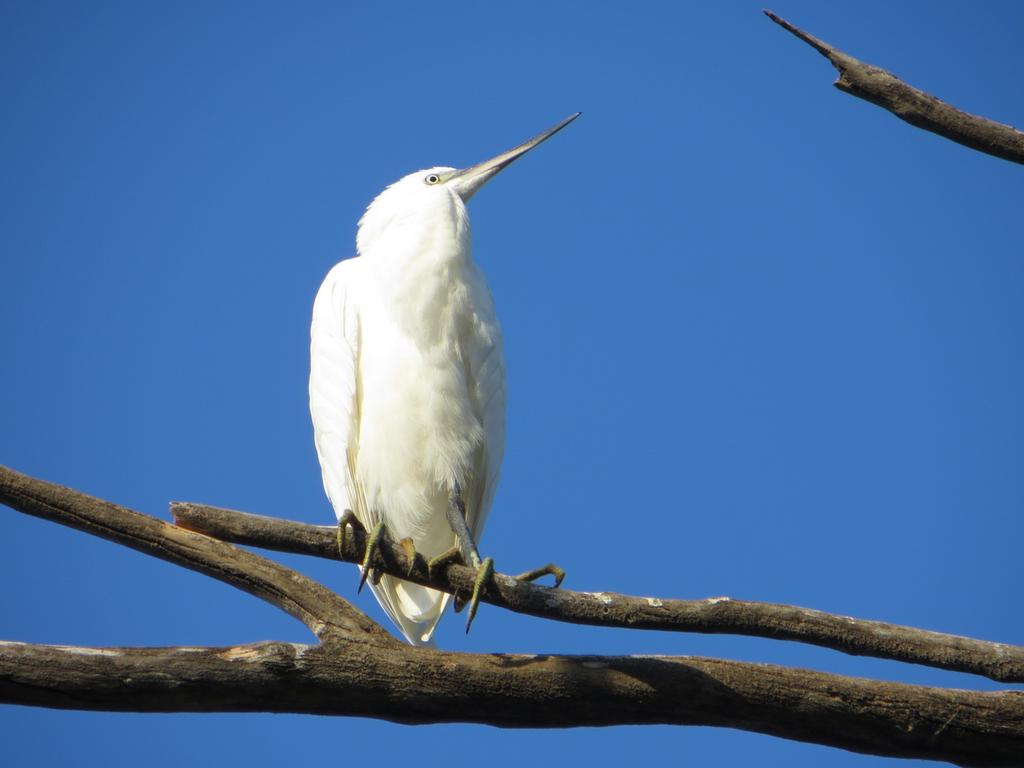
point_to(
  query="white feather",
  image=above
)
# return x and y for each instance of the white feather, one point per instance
(407, 377)
(407, 382)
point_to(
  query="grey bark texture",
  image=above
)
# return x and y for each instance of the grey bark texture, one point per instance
(715, 615)
(916, 107)
(359, 669)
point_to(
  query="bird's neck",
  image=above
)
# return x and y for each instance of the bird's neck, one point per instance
(422, 271)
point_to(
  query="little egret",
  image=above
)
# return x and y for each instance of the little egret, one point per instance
(407, 382)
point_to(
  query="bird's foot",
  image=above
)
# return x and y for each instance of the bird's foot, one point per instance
(347, 518)
(483, 574)
(437, 564)
(409, 548)
(469, 554)
(545, 570)
(372, 546)
(485, 570)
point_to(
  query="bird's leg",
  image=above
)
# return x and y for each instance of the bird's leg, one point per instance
(468, 550)
(457, 521)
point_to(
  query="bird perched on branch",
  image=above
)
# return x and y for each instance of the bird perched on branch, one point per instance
(407, 383)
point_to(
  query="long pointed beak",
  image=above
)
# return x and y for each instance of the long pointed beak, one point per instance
(467, 181)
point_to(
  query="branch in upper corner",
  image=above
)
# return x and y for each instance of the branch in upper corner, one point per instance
(415, 685)
(313, 604)
(997, 661)
(915, 107)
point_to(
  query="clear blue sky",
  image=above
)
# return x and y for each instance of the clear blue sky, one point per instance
(766, 331)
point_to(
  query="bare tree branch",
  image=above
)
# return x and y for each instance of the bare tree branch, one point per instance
(410, 685)
(915, 107)
(357, 669)
(719, 615)
(311, 603)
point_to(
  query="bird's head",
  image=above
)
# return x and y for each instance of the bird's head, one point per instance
(432, 202)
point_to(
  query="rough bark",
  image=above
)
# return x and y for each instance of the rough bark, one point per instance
(916, 107)
(311, 603)
(715, 615)
(409, 685)
(358, 669)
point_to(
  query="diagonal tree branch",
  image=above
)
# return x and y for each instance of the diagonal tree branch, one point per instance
(314, 605)
(859, 637)
(912, 105)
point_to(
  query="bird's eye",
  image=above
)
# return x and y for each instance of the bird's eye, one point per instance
(432, 178)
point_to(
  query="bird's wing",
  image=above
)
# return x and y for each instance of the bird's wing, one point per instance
(487, 372)
(491, 396)
(333, 384)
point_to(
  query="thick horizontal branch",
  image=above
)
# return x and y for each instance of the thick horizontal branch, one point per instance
(411, 685)
(912, 105)
(311, 603)
(720, 615)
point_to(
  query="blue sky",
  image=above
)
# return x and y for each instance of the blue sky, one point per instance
(763, 330)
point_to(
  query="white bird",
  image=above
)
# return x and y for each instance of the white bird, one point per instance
(407, 379)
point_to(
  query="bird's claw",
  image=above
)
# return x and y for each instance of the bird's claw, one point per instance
(409, 548)
(545, 570)
(372, 546)
(348, 517)
(437, 564)
(483, 575)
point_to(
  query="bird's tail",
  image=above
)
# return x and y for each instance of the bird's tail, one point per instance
(415, 609)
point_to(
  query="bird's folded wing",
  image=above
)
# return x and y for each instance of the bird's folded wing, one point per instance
(333, 386)
(488, 391)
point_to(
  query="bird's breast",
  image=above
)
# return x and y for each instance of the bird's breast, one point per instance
(420, 429)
